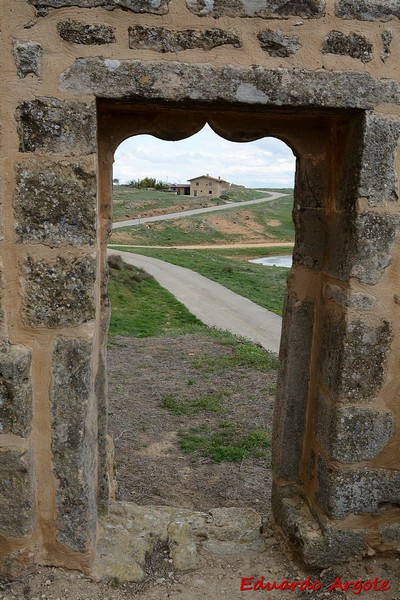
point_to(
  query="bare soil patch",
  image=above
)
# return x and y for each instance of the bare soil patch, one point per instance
(150, 466)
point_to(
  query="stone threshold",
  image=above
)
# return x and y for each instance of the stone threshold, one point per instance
(130, 533)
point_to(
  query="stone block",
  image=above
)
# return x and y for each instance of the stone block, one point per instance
(387, 38)
(165, 40)
(73, 443)
(378, 178)
(158, 7)
(15, 390)
(309, 246)
(106, 484)
(353, 45)
(82, 33)
(17, 499)
(58, 293)
(356, 491)
(53, 126)
(277, 44)
(318, 545)
(367, 10)
(28, 58)
(292, 389)
(259, 85)
(390, 533)
(345, 298)
(352, 434)
(55, 204)
(373, 245)
(267, 9)
(353, 357)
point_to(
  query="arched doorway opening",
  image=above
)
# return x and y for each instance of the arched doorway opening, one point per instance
(325, 144)
(197, 436)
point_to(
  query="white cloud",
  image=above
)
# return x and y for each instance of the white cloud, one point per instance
(267, 162)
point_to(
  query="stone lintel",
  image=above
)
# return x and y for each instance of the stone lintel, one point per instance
(175, 81)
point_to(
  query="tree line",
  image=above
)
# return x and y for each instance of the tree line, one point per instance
(146, 182)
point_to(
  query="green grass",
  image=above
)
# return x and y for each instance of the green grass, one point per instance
(246, 355)
(140, 307)
(230, 442)
(192, 406)
(263, 285)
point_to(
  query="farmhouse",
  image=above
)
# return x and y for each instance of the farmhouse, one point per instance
(208, 186)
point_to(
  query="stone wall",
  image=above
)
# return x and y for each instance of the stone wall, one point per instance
(78, 77)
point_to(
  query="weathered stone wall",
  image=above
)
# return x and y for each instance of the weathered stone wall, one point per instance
(80, 75)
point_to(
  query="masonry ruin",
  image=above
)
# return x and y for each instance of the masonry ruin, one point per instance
(78, 77)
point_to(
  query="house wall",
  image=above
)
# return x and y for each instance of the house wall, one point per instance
(80, 75)
(206, 186)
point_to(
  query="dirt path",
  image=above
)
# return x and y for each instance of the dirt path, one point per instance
(212, 303)
(197, 211)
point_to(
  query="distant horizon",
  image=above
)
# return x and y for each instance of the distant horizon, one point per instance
(264, 163)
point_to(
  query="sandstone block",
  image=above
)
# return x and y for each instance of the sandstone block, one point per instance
(267, 9)
(15, 390)
(344, 298)
(73, 443)
(318, 545)
(28, 58)
(378, 178)
(353, 45)
(292, 389)
(260, 85)
(310, 239)
(55, 203)
(89, 35)
(158, 7)
(353, 357)
(165, 40)
(53, 126)
(368, 10)
(356, 491)
(373, 241)
(16, 493)
(58, 293)
(277, 44)
(352, 434)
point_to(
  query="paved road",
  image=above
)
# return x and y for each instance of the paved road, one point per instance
(197, 211)
(211, 302)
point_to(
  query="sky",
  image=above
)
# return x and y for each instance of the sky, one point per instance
(267, 162)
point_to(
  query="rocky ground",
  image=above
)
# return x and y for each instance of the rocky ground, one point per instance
(147, 377)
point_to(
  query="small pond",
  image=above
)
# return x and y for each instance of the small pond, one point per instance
(282, 260)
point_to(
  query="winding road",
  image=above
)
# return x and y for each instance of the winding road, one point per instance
(197, 211)
(211, 302)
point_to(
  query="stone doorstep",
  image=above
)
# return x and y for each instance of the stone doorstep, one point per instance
(130, 533)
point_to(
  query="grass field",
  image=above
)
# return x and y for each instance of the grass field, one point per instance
(129, 203)
(271, 221)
